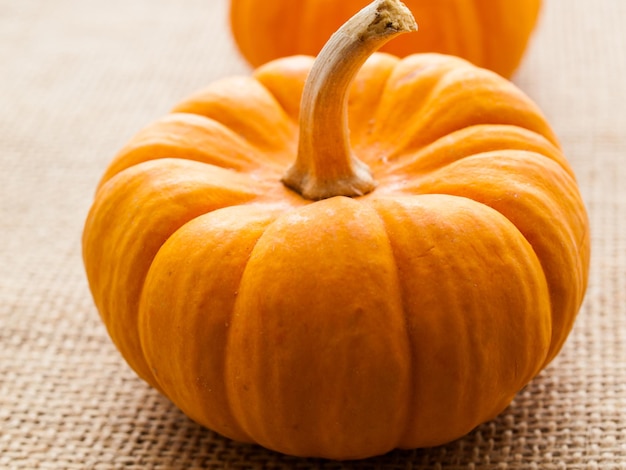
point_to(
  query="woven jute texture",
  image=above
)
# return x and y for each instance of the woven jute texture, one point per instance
(79, 77)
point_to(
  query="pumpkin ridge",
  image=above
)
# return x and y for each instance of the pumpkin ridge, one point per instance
(467, 142)
(482, 203)
(436, 215)
(237, 308)
(442, 108)
(238, 181)
(393, 98)
(231, 221)
(242, 418)
(118, 225)
(188, 137)
(336, 339)
(410, 405)
(284, 79)
(416, 189)
(502, 104)
(541, 196)
(228, 348)
(248, 108)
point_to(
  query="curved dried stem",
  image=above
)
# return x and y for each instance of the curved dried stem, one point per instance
(325, 166)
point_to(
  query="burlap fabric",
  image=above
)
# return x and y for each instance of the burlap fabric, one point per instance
(79, 77)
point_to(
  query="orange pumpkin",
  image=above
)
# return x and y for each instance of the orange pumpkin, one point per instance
(490, 33)
(394, 287)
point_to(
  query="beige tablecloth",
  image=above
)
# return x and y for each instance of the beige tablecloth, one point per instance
(79, 77)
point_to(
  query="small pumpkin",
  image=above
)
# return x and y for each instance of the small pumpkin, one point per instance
(393, 287)
(489, 33)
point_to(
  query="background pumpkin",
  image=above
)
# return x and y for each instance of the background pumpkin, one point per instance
(344, 327)
(489, 33)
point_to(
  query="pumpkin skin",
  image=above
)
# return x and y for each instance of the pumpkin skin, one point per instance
(489, 33)
(345, 327)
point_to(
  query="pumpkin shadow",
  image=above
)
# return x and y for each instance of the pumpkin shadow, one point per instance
(163, 437)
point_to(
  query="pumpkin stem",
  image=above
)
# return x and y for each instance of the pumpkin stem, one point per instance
(325, 166)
